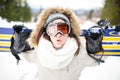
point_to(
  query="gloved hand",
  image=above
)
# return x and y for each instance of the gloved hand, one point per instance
(94, 38)
(18, 40)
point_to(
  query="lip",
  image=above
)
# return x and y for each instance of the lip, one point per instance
(58, 41)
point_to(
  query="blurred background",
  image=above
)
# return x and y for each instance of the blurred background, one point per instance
(26, 12)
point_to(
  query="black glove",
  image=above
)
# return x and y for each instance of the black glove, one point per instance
(117, 28)
(94, 42)
(18, 40)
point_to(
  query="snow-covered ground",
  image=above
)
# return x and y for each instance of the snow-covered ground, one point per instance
(9, 70)
(110, 70)
(5, 24)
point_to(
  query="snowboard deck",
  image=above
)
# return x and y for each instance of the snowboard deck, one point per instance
(110, 42)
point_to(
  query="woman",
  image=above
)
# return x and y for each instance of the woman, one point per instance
(59, 52)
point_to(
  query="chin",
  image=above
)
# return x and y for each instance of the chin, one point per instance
(58, 46)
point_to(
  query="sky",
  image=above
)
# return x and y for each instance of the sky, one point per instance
(74, 4)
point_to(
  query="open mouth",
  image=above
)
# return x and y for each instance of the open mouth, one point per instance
(59, 41)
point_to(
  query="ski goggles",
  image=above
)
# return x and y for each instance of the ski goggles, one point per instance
(54, 28)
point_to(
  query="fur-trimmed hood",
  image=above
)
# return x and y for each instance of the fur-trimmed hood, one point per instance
(43, 16)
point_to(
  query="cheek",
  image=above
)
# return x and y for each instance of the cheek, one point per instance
(65, 39)
(53, 40)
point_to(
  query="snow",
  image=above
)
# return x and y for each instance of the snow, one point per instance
(106, 71)
(9, 70)
(4, 23)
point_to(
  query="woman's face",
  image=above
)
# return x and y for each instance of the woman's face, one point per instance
(59, 39)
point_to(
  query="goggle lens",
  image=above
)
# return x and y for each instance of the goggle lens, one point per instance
(54, 28)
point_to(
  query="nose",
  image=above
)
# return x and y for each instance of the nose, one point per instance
(58, 34)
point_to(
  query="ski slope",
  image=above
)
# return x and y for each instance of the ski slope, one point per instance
(9, 70)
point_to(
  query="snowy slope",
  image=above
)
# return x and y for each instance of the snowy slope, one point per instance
(9, 70)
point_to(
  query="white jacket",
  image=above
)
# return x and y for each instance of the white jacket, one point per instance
(70, 72)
